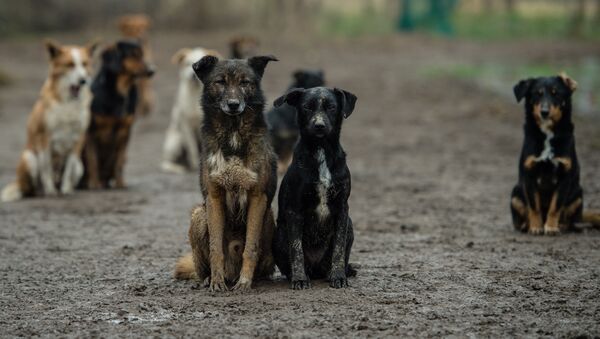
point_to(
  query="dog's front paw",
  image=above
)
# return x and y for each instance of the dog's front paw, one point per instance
(338, 280)
(217, 284)
(94, 185)
(535, 231)
(551, 230)
(243, 284)
(300, 284)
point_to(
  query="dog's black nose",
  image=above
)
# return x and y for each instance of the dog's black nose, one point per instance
(319, 126)
(233, 104)
(545, 114)
(82, 81)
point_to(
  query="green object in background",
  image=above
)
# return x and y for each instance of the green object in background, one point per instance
(436, 17)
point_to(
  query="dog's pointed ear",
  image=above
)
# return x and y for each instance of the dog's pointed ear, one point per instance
(92, 46)
(522, 88)
(111, 59)
(298, 75)
(258, 63)
(570, 83)
(203, 66)
(346, 101)
(53, 48)
(178, 57)
(292, 97)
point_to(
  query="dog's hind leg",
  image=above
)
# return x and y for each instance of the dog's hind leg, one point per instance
(518, 209)
(44, 161)
(27, 178)
(198, 235)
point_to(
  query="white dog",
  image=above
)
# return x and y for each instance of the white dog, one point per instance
(182, 142)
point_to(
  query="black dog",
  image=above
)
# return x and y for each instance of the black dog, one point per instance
(113, 106)
(548, 197)
(283, 128)
(314, 234)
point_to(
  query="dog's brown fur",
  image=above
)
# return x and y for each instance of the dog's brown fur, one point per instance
(243, 47)
(47, 119)
(231, 232)
(136, 26)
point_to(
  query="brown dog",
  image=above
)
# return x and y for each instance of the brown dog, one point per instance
(231, 232)
(136, 26)
(243, 47)
(113, 111)
(56, 126)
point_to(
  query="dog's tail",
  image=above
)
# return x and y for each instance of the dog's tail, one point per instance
(11, 192)
(184, 269)
(592, 218)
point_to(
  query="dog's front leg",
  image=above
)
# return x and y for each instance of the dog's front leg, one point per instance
(534, 208)
(216, 227)
(46, 172)
(555, 210)
(73, 168)
(298, 279)
(337, 273)
(257, 205)
(91, 163)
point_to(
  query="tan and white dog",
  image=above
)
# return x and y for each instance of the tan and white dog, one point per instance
(56, 126)
(182, 141)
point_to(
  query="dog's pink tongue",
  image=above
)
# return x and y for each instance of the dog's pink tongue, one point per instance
(75, 91)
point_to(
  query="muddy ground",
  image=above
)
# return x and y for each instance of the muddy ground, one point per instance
(433, 160)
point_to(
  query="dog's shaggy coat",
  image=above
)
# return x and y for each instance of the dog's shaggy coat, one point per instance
(231, 232)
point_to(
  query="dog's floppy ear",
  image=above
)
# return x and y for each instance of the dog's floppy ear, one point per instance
(53, 48)
(111, 59)
(522, 88)
(298, 75)
(346, 101)
(178, 57)
(203, 66)
(291, 98)
(258, 63)
(570, 83)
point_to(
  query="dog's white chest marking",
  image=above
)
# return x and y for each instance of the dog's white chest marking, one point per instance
(547, 152)
(234, 141)
(66, 122)
(323, 186)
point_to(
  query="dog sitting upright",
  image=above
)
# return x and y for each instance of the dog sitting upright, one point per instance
(135, 27)
(314, 233)
(56, 126)
(182, 141)
(113, 111)
(283, 127)
(548, 198)
(231, 232)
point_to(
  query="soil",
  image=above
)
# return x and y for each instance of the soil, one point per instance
(433, 161)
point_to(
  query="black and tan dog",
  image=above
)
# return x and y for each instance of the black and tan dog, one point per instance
(232, 231)
(113, 112)
(283, 127)
(314, 234)
(548, 198)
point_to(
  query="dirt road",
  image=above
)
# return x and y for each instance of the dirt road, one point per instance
(433, 161)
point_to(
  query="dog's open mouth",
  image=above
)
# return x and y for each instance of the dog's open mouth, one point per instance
(75, 90)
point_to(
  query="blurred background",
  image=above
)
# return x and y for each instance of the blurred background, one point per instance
(480, 21)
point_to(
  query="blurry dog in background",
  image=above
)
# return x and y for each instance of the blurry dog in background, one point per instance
(113, 111)
(135, 27)
(182, 141)
(548, 198)
(231, 232)
(56, 126)
(243, 47)
(283, 127)
(314, 233)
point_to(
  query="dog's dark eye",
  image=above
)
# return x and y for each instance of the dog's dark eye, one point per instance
(245, 82)
(330, 108)
(220, 82)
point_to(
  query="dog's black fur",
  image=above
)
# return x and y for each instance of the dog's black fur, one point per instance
(314, 237)
(283, 126)
(548, 192)
(115, 97)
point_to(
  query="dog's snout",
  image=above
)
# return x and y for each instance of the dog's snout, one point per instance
(320, 125)
(233, 104)
(82, 81)
(150, 70)
(545, 113)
